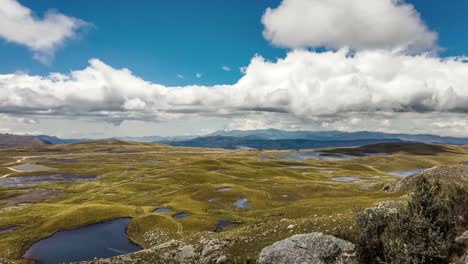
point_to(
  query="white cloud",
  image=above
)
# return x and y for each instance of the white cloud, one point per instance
(226, 68)
(43, 36)
(333, 88)
(134, 104)
(198, 75)
(180, 76)
(248, 124)
(356, 24)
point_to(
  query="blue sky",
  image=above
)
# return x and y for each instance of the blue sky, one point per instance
(156, 39)
(350, 65)
(159, 39)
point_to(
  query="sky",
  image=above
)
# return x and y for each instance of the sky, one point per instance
(138, 68)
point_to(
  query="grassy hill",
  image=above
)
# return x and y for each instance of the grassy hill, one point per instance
(136, 178)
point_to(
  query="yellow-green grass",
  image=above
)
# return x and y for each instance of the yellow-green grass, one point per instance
(135, 179)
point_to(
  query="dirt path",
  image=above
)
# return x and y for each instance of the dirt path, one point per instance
(180, 229)
(6, 175)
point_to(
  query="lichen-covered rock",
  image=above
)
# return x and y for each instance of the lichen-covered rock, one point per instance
(313, 248)
(447, 174)
(208, 250)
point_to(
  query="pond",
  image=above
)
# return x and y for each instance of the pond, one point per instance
(223, 223)
(304, 155)
(242, 203)
(300, 167)
(65, 160)
(212, 200)
(346, 179)
(30, 168)
(163, 210)
(102, 240)
(7, 229)
(224, 189)
(376, 154)
(180, 215)
(405, 173)
(24, 181)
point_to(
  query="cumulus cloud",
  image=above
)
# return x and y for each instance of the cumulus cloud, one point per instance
(199, 75)
(356, 24)
(304, 85)
(43, 36)
(226, 68)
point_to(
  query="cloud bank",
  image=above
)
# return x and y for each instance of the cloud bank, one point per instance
(356, 24)
(377, 76)
(43, 36)
(305, 84)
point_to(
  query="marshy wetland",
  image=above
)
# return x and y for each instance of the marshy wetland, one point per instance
(187, 195)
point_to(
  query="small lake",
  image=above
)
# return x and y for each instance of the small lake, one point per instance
(242, 203)
(24, 181)
(212, 200)
(465, 163)
(405, 173)
(304, 155)
(69, 161)
(376, 154)
(223, 223)
(31, 168)
(346, 179)
(224, 189)
(7, 229)
(180, 215)
(300, 167)
(163, 210)
(102, 240)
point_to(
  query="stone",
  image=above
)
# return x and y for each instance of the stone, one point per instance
(221, 259)
(313, 248)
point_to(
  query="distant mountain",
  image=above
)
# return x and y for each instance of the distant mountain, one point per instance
(149, 139)
(275, 134)
(277, 139)
(60, 141)
(13, 141)
(247, 142)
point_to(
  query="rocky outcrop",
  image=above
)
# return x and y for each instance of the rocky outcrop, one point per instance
(313, 248)
(173, 252)
(447, 174)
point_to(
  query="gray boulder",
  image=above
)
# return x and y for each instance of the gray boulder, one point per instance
(313, 248)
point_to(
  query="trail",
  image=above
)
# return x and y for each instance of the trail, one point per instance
(6, 175)
(14, 163)
(180, 229)
(14, 170)
(19, 160)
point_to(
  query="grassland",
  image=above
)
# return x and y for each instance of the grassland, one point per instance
(135, 179)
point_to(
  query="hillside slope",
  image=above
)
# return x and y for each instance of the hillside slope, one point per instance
(12, 141)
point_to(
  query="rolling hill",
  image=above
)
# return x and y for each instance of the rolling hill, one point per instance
(13, 141)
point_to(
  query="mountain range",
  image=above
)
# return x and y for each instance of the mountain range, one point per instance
(259, 139)
(275, 134)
